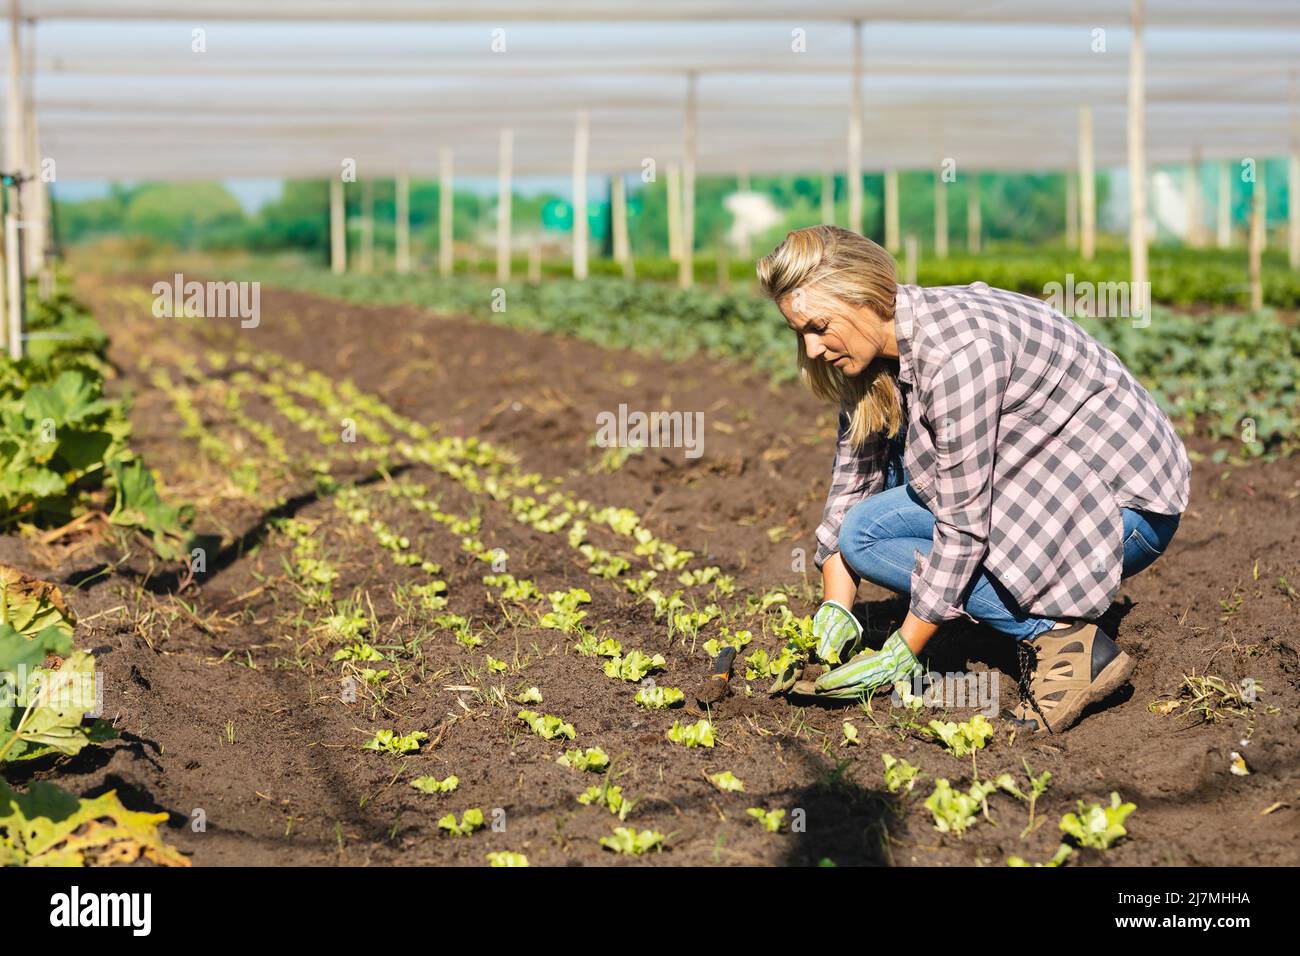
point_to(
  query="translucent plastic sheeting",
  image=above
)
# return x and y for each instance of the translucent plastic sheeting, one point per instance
(289, 88)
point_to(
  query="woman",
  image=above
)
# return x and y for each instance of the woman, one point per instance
(994, 462)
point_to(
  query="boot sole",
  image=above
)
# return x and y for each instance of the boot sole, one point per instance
(1114, 676)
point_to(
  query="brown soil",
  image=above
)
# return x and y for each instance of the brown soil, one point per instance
(230, 703)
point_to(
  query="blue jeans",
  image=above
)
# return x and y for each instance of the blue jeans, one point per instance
(881, 533)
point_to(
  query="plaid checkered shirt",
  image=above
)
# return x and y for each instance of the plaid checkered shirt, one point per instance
(1025, 437)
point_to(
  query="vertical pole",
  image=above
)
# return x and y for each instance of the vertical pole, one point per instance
(338, 227)
(14, 144)
(505, 198)
(367, 225)
(1193, 200)
(1071, 209)
(1293, 183)
(674, 212)
(743, 185)
(1137, 160)
(1256, 250)
(855, 134)
(1087, 186)
(1224, 236)
(446, 212)
(622, 245)
(828, 198)
(403, 222)
(940, 216)
(911, 259)
(892, 226)
(974, 223)
(35, 224)
(581, 139)
(686, 265)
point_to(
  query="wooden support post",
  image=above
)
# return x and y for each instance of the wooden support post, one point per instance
(402, 224)
(505, 197)
(686, 265)
(1256, 251)
(974, 220)
(35, 220)
(828, 198)
(911, 259)
(746, 248)
(368, 225)
(618, 212)
(15, 143)
(892, 225)
(674, 212)
(1224, 231)
(338, 227)
(1137, 159)
(1293, 182)
(1087, 186)
(1071, 209)
(446, 212)
(855, 134)
(940, 216)
(1194, 237)
(581, 139)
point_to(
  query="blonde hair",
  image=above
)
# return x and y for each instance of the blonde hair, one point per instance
(855, 270)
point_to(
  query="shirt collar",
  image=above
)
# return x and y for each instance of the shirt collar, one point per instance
(904, 327)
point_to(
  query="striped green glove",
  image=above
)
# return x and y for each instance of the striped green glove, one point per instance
(835, 627)
(871, 670)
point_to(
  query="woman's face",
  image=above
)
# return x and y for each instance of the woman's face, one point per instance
(844, 336)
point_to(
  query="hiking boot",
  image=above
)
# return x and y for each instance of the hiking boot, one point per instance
(1062, 671)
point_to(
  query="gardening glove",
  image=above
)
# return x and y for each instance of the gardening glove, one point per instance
(870, 670)
(835, 628)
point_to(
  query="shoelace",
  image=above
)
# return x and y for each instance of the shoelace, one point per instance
(1028, 664)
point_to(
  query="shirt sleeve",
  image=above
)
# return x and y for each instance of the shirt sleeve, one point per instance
(858, 471)
(963, 408)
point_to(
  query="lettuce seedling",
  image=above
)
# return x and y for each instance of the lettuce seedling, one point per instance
(1063, 853)
(531, 696)
(470, 821)
(955, 811)
(770, 819)
(495, 666)
(899, 774)
(634, 666)
(659, 698)
(1097, 826)
(506, 858)
(427, 784)
(608, 796)
(548, 726)
(850, 736)
(698, 734)
(349, 627)
(628, 841)
(388, 741)
(593, 759)
(360, 651)
(728, 638)
(727, 782)
(564, 614)
(964, 738)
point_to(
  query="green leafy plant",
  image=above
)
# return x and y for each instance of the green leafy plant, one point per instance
(470, 820)
(531, 696)
(506, 858)
(698, 734)
(727, 782)
(900, 776)
(630, 842)
(1063, 853)
(390, 742)
(659, 698)
(1097, 826)
(593, 759)
(771, 820)
(565, 614)
(42, 708)
(547, 726)
(608, 796)
(427, 784)
(960, 739)
(954, 811)
(634, 666)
